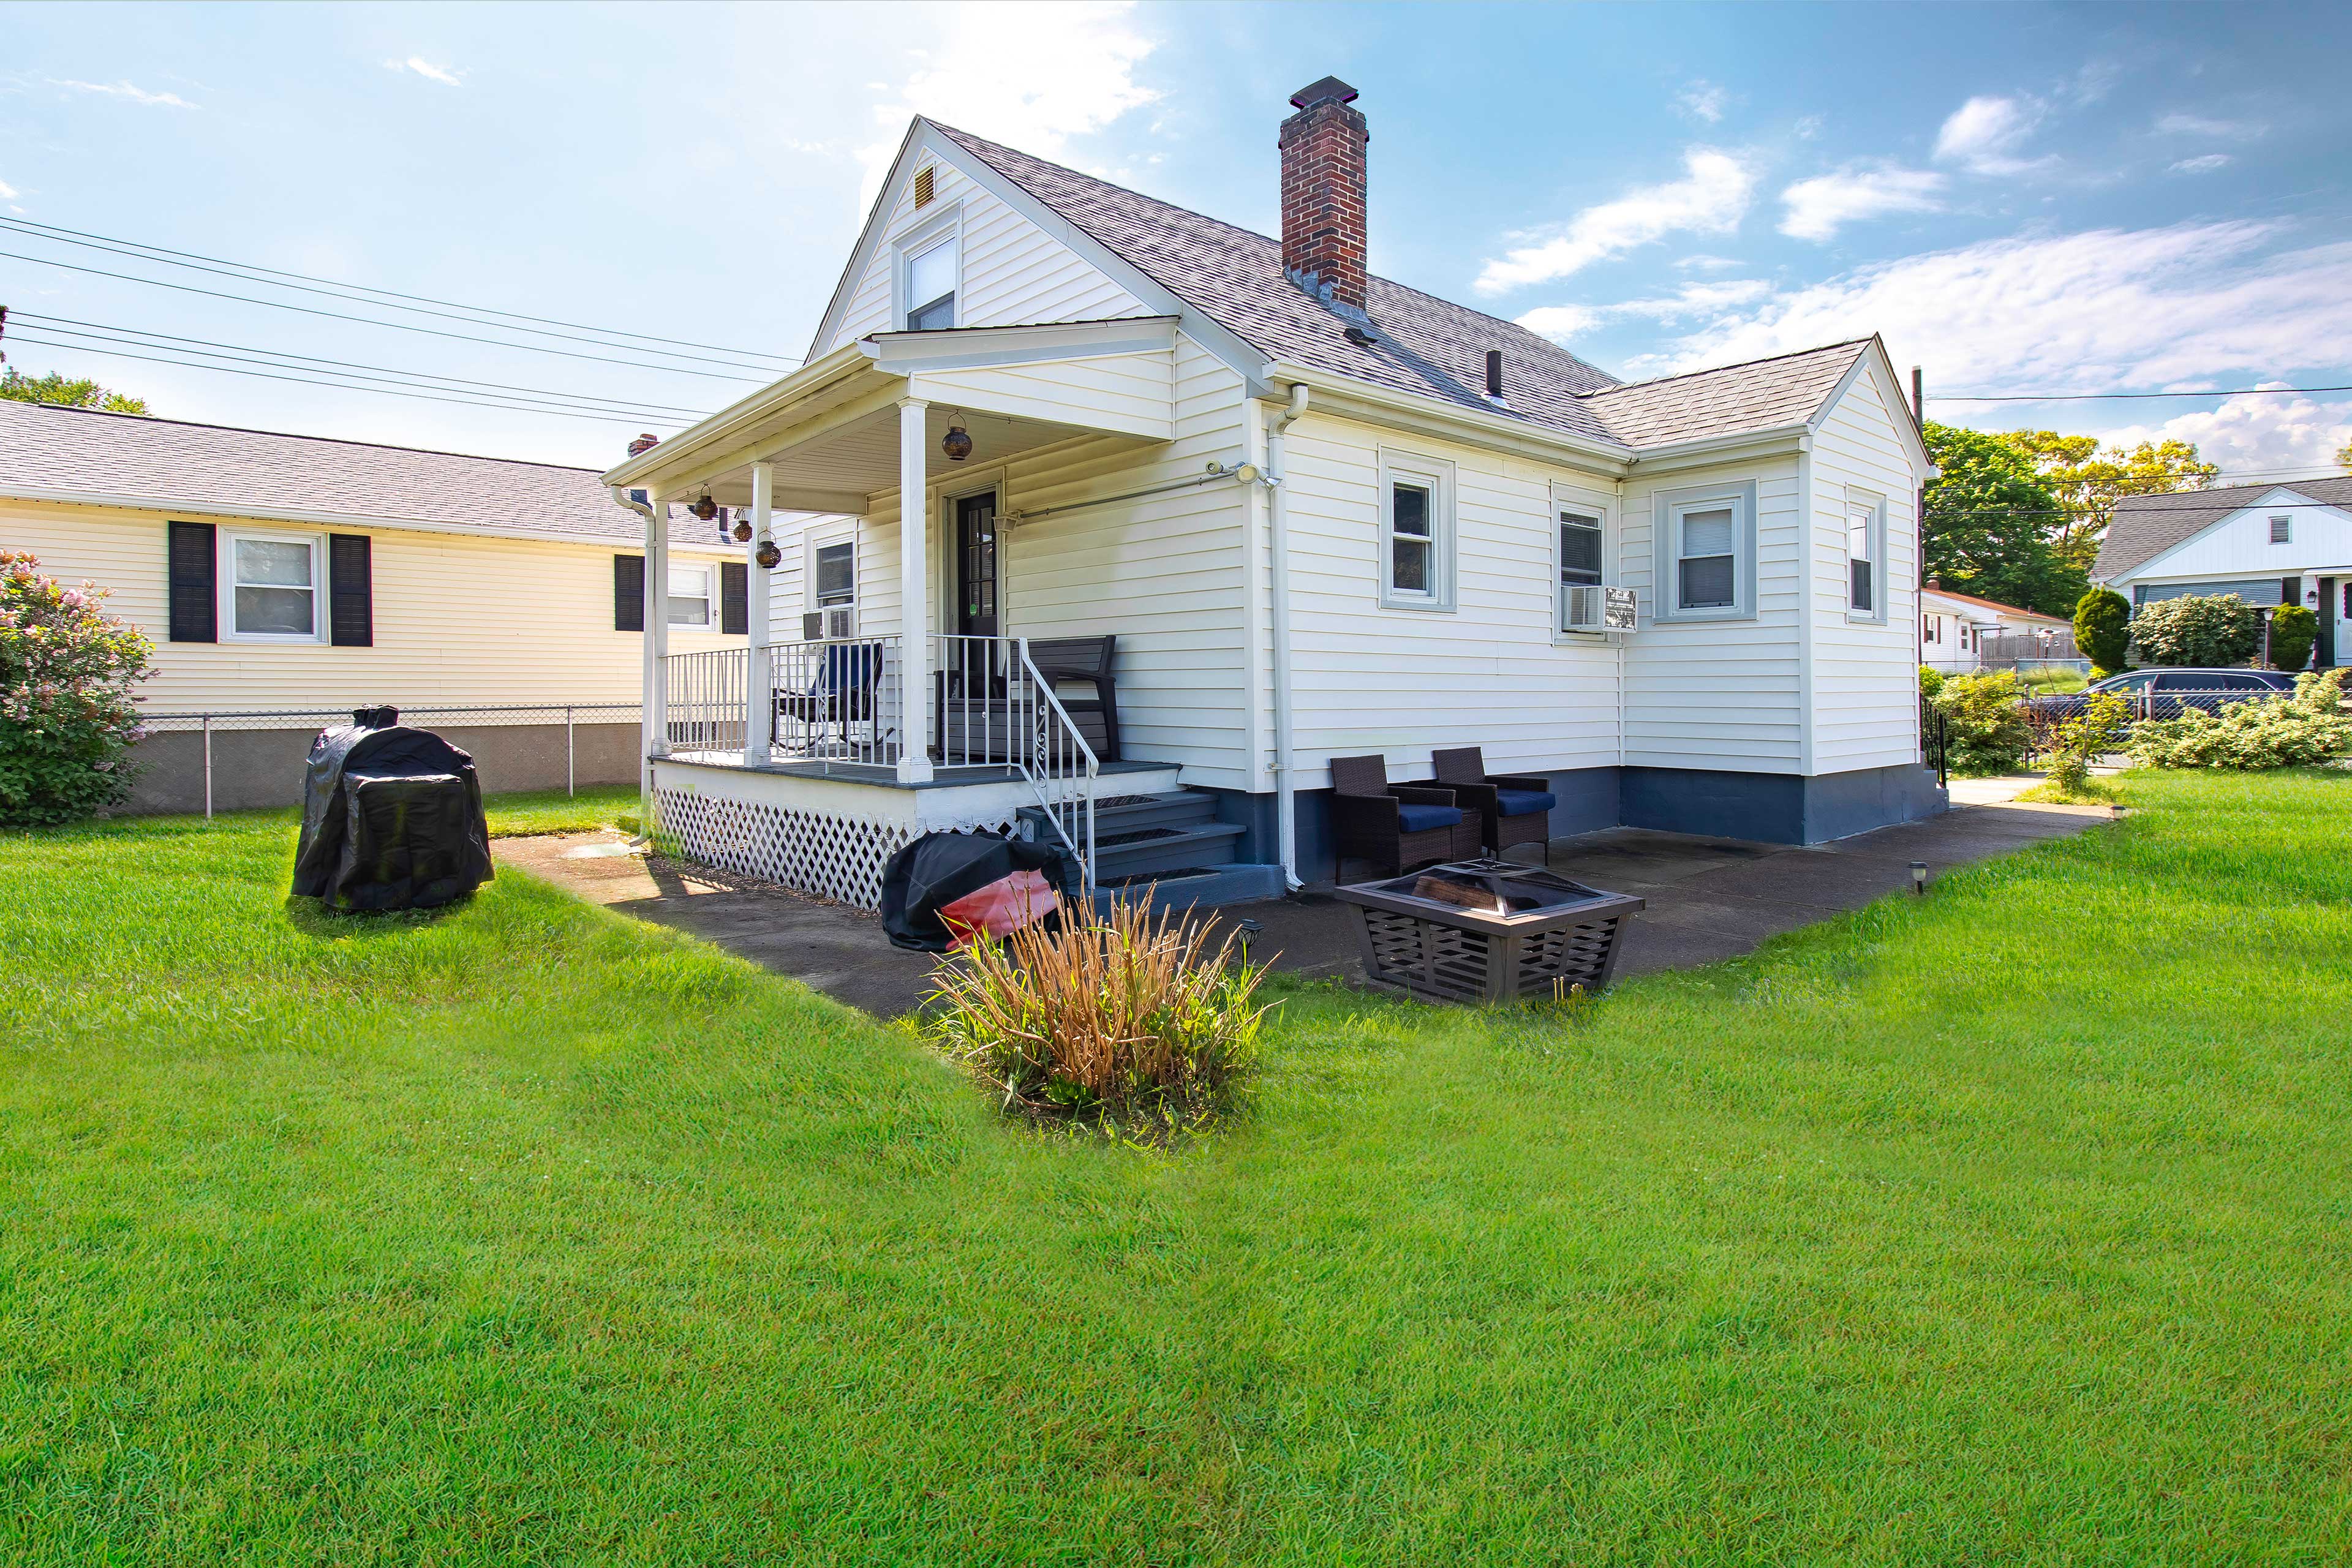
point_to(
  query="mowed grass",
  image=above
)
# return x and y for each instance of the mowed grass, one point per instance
(2015, 1222)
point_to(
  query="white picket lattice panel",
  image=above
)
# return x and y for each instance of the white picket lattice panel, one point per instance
(829, 854)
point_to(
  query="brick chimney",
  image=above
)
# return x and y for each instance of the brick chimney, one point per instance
(1323, 193)
(643, 444)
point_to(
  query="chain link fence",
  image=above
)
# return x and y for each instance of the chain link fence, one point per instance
(239, 757)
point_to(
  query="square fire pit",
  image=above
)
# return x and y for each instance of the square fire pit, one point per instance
(1488, 930)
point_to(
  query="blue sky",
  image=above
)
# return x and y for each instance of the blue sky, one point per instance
(2020, 198)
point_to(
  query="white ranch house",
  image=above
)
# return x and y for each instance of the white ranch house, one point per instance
(2269, 544)
(1320, 514)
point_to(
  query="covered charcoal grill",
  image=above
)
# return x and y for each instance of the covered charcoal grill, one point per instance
(391, 818)
(946, 886)
(1488, 930)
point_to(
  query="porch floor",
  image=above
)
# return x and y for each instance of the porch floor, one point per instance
(1709, 898)
(884, 777)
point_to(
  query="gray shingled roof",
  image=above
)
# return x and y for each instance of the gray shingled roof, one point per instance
(2145, 527)
(170, 463)
(1428, 345)
(1758, 395)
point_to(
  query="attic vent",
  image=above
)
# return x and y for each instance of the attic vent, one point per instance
(925, 185)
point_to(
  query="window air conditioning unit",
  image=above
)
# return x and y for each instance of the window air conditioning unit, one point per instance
(1591, 607)
(840, 620)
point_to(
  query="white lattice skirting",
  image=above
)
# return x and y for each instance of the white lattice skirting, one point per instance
(834, 854)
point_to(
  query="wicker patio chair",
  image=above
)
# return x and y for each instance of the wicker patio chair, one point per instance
(1512, 809)
(1395, 826)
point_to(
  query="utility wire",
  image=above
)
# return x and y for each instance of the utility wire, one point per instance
(2113, 397)
(511, 407)
(134, 336)
(372, 322)
(138, 253)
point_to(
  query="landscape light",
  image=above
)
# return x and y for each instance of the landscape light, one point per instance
(1918, 876)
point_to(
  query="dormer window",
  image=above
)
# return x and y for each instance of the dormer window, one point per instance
(932, 286)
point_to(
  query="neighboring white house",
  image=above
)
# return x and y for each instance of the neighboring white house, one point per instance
(2269, 544)
(1322, 513)
(277, 573)
(1956, 630)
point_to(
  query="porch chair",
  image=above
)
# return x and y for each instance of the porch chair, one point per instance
(974, 710)
(1395, 826)
(1511, 809)
(841, 695)
(1085, 660)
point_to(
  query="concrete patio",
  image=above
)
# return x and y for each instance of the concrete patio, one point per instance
(1708, 899)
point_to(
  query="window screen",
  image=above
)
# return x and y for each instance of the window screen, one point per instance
(1579, 548)
(1706, 567)
(836, 578)
(1861, 567)
(931, 288)
(1410, 540)
(689, 597)
(277, 591)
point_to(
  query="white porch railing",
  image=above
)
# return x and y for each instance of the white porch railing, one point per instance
(842, 702)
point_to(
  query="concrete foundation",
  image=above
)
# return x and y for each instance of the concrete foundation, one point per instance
(264, 767)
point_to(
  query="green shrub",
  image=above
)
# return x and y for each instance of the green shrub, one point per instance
(2275, 732)
(67, 669)
(2197, 629)
(1931, 681)
(2103, 630)
(1984, 717)
(1130, 1018)
(2102, 726)
(2293, 631)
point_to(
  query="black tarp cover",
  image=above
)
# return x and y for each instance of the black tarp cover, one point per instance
(938, 868)
(391, 818)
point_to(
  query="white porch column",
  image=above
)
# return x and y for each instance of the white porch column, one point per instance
(914, 594)
(758, 700)
(657, 628)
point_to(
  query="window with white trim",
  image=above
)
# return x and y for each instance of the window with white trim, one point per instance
(689, 595)
(1578, 544)
(1705, 541)
(272, 585)
(1866, 545)
(1416, 532)
(2283, 529)
(931, 279)
(833, 575)
(1706, 558)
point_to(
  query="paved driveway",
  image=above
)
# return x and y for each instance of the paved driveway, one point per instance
(1708, 899)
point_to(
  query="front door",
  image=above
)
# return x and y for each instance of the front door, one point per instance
(2323, 654)
(975, 571)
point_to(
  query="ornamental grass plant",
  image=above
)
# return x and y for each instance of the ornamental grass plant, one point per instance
(1130, 1018)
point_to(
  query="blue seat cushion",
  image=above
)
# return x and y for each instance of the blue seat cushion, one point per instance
(1414, 818)
(1524, 802)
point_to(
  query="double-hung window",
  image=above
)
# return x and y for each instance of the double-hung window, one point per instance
(931, 284)
(1579, 566)
(1865, 542)
(689, 595)
(1706, 552)
(836, 576)
(273, 587)
(1416, 532)
(1706, 561)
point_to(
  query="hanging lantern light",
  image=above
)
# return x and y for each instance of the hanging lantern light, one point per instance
(767, 556)
(706, 509)
(742, 531)
(956, 443)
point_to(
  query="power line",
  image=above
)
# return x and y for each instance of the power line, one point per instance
(510, 407)
(351, 291)
(372, 322)
(2113, 397)
(102, 332)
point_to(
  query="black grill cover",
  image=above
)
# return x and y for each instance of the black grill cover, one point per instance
(938, 868)
(391, 818)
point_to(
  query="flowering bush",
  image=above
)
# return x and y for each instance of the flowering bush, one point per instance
(2273, 732)
(67, 669)
(2199, 630)
(1984, 718)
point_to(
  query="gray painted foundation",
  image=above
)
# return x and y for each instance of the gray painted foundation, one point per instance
(264, 767)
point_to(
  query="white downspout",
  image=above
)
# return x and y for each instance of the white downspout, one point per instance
(1285, 801)
(649, 706)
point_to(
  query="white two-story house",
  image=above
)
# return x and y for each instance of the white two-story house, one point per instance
(1318, 515)
(2269, 544)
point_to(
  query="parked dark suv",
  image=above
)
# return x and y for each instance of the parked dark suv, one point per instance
(2163, 693)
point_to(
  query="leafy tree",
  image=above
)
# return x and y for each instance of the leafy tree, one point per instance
(2344, 456)
(2103, 630)
(55, 388)
(2293, 631)
(2088, 481)
(1988, 518)
(2205, 630)
(65, 719)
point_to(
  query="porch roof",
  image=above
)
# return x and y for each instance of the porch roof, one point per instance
(831, 428)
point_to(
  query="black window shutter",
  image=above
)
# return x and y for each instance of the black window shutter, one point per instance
(196, 600)
(351, 591)
(628, 592)
(734, 598)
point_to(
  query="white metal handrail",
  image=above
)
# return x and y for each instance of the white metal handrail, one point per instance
(1066, 791)
(837, 699)
(703, 700)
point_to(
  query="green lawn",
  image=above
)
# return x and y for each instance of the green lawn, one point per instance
(2013, 1222)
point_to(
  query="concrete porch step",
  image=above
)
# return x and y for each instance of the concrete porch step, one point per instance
(1166, 849)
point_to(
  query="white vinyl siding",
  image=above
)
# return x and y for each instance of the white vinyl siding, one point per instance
(1865, 669)
(2240, 546)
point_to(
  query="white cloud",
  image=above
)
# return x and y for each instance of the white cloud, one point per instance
(1808, 127)
(2255, 435)
(2105, 310)
(1563, 323)
(125, 91)
(1704, 263)
(1703, 100)
(7, 191)
(2202, 166)
(1711, 200)
(1984, 134)
(2201, 125)
(1818, 207)
(426, 70)
(1032, 75)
